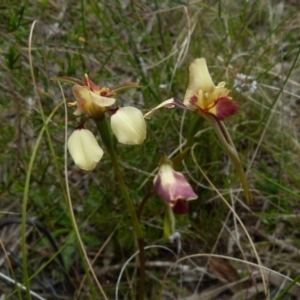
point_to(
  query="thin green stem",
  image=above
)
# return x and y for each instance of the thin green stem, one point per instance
(226, 141)
(193, 128)
(231, 151)
(169, 221)
(25, 198)
(108, 141)
(287, 288)
(144, 201)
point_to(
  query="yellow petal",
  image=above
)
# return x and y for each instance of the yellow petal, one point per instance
(199, 79)
(102, 101)
(87, 101)
(84, 149)
(129, 126)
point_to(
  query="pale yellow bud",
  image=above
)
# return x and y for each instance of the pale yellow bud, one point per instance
(84, 149)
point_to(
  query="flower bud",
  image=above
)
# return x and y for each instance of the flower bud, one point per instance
(129, 126)
(84, 149)
(173, 188)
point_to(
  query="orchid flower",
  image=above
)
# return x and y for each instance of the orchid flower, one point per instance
(127, 123)
(173, 187)
(214, 104)
(202, 95)
(84, 148)
(91, 98)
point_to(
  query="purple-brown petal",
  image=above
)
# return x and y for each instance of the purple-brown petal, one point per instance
(180, 208)
(91, 85)
(225, 107)
(172, 186)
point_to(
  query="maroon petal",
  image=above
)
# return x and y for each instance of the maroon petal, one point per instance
(91, 85)
(225, 107)
(180, 208)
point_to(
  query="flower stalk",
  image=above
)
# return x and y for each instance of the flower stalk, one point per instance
(106, 136)
(107, 140)
(225, 139)
(169, 222)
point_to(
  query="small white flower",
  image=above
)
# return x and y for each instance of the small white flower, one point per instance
(245, 83)
(84, 149)
(129, 126)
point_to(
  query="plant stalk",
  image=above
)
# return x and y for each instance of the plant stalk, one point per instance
(106, 136)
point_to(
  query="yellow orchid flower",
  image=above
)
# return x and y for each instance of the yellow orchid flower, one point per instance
(91, 98)
(127, 123)
(202, 95)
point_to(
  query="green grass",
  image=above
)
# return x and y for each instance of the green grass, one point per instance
(149, 44)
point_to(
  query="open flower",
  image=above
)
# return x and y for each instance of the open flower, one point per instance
(91, 98)
(202, 95)
(127, 123)
(173, 187)
(84, 149)
(215, 104)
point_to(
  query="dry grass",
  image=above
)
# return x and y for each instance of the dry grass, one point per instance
(228, 249)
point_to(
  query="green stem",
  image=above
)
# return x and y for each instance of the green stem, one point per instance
(108, 141)
(193, 128)
(26, 196)
(230, 149)
(287, 288)
(150, 193)
(169, 222)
